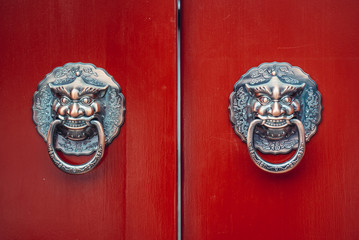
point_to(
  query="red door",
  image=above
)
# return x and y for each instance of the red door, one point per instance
(225, 196)
(131, 194)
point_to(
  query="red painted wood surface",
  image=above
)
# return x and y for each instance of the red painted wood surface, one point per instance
(132, 193)
(225, 196)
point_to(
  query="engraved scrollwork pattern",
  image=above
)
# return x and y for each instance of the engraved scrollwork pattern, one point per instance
(87, 146)
(268, 146)
(311, 112)
(114, 114)
(42, 110)
(240, 102)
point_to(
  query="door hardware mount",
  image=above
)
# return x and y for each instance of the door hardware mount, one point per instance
(275, 108)
(78, 109)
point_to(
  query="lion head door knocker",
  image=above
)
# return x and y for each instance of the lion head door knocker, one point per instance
(275, 108)
(78, 109)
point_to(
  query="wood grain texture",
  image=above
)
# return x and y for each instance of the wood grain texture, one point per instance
(225, 196)
(132, 193)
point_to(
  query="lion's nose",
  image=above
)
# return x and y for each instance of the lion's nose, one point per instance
(276, 109)
(75, 110)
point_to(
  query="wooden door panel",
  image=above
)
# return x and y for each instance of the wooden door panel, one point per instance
(225, 196)
(131, 194)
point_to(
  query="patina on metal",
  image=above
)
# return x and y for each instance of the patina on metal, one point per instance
(78, 109)
(275, 108)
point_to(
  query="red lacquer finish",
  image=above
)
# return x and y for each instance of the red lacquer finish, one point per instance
(225, 196)
(132, 193)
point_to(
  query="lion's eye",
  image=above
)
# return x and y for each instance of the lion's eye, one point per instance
(287, 99)
(264, 100)
(86, 100)
(64, 100)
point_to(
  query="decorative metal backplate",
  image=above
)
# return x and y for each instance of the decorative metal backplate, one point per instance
(77, 94)
(275, 93)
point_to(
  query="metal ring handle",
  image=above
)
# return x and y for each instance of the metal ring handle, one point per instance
(76, 169)
(280, 167)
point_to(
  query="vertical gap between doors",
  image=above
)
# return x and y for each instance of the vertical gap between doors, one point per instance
(179, 157)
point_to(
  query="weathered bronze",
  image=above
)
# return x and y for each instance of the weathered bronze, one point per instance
(275, 108)
(78, 109)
